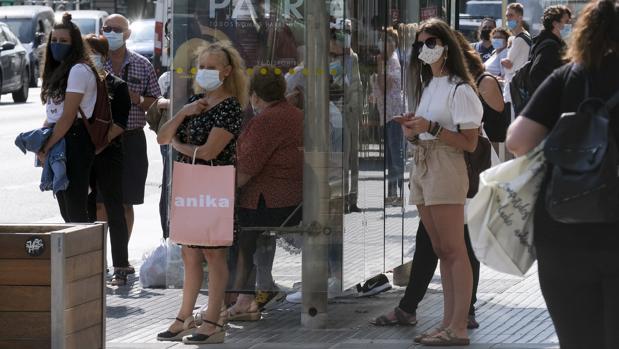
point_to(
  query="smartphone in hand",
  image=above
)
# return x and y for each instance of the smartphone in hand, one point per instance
(401, 119)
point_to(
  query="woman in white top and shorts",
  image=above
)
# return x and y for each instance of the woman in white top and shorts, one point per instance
(69, 83)
(446, 123)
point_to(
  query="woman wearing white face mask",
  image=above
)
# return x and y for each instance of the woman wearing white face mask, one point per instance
(445, 124)
(105, 201)
(207, 126)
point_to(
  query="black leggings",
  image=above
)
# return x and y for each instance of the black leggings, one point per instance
(106, 180)
(245, 280)
(581, 287)
(73, 201)
(424, 265)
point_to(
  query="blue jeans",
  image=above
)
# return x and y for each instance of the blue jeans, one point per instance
(395, 150)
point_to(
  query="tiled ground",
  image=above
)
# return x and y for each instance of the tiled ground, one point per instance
(511, 312)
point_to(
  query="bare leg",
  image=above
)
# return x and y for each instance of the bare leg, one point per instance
(435, 237)
(455, 265)
(101, 212)
(217, 280)
(194, 274)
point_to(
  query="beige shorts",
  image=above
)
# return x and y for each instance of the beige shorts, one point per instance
(439, 175)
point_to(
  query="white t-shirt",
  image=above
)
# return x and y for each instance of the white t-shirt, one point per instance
(518, 54)
(443, 103)
(81, 80)
(493, 64)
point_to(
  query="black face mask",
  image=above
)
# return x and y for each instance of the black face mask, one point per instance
(485, 34)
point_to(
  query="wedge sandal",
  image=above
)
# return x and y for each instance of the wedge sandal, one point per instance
(199, 338)
(232, 315)
(169, 336)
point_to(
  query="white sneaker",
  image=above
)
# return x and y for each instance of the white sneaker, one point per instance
(334, 290)
(295, 298)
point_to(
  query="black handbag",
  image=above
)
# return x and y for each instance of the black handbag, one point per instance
(584, 182)
(477, 162)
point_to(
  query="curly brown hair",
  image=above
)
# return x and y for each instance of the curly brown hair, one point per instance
(595, 34)
(55, 74)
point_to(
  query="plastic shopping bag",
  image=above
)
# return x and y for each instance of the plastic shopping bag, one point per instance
(500, 216)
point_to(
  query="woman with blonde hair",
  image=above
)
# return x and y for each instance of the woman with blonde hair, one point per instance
(445, 124)
(208, 127)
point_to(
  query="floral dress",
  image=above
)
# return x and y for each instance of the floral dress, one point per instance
(195, 130)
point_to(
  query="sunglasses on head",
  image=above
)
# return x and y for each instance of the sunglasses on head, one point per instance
(430, 43)
(108, 29)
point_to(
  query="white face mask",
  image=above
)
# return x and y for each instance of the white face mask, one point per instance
(208, 79)
(431, 55)
(252, 102)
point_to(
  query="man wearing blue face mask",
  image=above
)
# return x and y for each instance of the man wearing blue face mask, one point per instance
(519, 46)
(141, 79)
(548, 46)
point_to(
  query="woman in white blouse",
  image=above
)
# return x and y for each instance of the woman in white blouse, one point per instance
(445, 124)
(499, 42)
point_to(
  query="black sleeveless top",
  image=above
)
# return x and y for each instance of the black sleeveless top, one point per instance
(495, 135)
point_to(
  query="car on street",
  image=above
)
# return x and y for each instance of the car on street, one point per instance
(31, 25)
(142, 39)
(14, 65)
(89, 21)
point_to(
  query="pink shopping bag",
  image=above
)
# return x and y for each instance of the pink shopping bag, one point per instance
(202, 205)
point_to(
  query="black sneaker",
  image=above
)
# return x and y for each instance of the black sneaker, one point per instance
(377, 284)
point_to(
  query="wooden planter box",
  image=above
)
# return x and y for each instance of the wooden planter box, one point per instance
(52, 286)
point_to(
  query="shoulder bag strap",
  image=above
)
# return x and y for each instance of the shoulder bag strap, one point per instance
(613, 101)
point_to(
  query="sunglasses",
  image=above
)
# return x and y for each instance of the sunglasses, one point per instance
(108, 29)
(430, 43)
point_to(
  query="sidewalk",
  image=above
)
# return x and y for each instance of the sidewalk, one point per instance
(510, 310)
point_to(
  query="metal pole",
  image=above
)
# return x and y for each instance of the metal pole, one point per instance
(315, 179)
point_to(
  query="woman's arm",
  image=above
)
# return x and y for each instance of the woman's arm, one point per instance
(217, 140)
(490, 92)
(465, 139)
(167, 132)
(72, 101)
(242, 179)
(523, 135)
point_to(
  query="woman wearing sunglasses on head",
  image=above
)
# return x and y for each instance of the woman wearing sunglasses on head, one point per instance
(69, 92)
(445, 124)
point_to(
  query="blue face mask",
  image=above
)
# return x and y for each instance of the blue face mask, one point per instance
(60, 51)
(566, 31)
(498, 43)
(115, 40)
(512, 24)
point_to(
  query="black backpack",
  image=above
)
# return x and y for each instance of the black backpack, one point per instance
(521, 87)
(584, 181)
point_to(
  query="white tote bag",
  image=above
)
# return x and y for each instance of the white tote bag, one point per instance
(500, 216)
